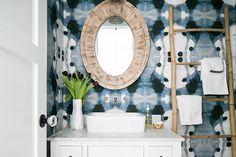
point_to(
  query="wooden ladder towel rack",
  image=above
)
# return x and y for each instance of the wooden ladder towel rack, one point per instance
(229, 65)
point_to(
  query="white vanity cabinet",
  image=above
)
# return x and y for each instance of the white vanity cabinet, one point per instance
(151, 143)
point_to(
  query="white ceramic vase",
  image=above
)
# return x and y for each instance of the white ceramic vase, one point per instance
(77, 115)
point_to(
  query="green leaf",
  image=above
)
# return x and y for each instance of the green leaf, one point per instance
(77, 88)
(90, 86)
(77, 77)
(67, 82)
(69, 86)
(83, 88)
(68, 97)
(73, 81)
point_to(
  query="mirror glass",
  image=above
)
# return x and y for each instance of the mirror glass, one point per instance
(114, 46)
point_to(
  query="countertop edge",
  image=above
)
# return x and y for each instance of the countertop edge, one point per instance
(68, 134)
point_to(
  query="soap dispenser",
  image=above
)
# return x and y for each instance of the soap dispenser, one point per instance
(148, 116)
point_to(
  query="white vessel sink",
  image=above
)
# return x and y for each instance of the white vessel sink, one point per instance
(98, 122)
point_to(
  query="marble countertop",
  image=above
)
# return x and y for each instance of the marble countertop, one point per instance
(163, 134)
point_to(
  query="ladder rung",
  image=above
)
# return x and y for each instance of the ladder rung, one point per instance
(188, 63)
(207, 136)
(200, 30)
(214, 99)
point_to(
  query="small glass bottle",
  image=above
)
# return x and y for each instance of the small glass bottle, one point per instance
(148, 115)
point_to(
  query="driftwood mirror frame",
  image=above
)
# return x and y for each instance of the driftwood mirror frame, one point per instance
(138, 26)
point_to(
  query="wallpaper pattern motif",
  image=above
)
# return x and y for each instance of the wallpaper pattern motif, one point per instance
(66, 19)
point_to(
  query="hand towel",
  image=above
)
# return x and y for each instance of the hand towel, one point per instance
(216, 64)
(190, 109)
(213, 76)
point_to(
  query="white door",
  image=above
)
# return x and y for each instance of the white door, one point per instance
(22, 77)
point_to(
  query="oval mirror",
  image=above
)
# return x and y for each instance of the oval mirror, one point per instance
(129, 55)
(114, 46)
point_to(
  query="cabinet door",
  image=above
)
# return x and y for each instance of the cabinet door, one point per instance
(70, 151)
(158, 151)
(115, 151)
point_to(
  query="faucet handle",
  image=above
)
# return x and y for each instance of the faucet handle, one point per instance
(125, 98)
(115, 99)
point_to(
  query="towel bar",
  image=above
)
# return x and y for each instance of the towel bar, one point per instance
(200, 30)
(207, 136)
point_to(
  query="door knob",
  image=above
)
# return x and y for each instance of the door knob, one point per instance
(43, 120)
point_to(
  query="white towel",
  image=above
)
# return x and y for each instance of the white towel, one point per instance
(190, 109)
(213, 76)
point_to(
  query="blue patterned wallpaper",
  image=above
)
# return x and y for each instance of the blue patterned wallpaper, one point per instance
(65, 22)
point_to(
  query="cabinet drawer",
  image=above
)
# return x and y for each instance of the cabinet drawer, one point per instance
(70, 151)
(115, 151)
(158, 151)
